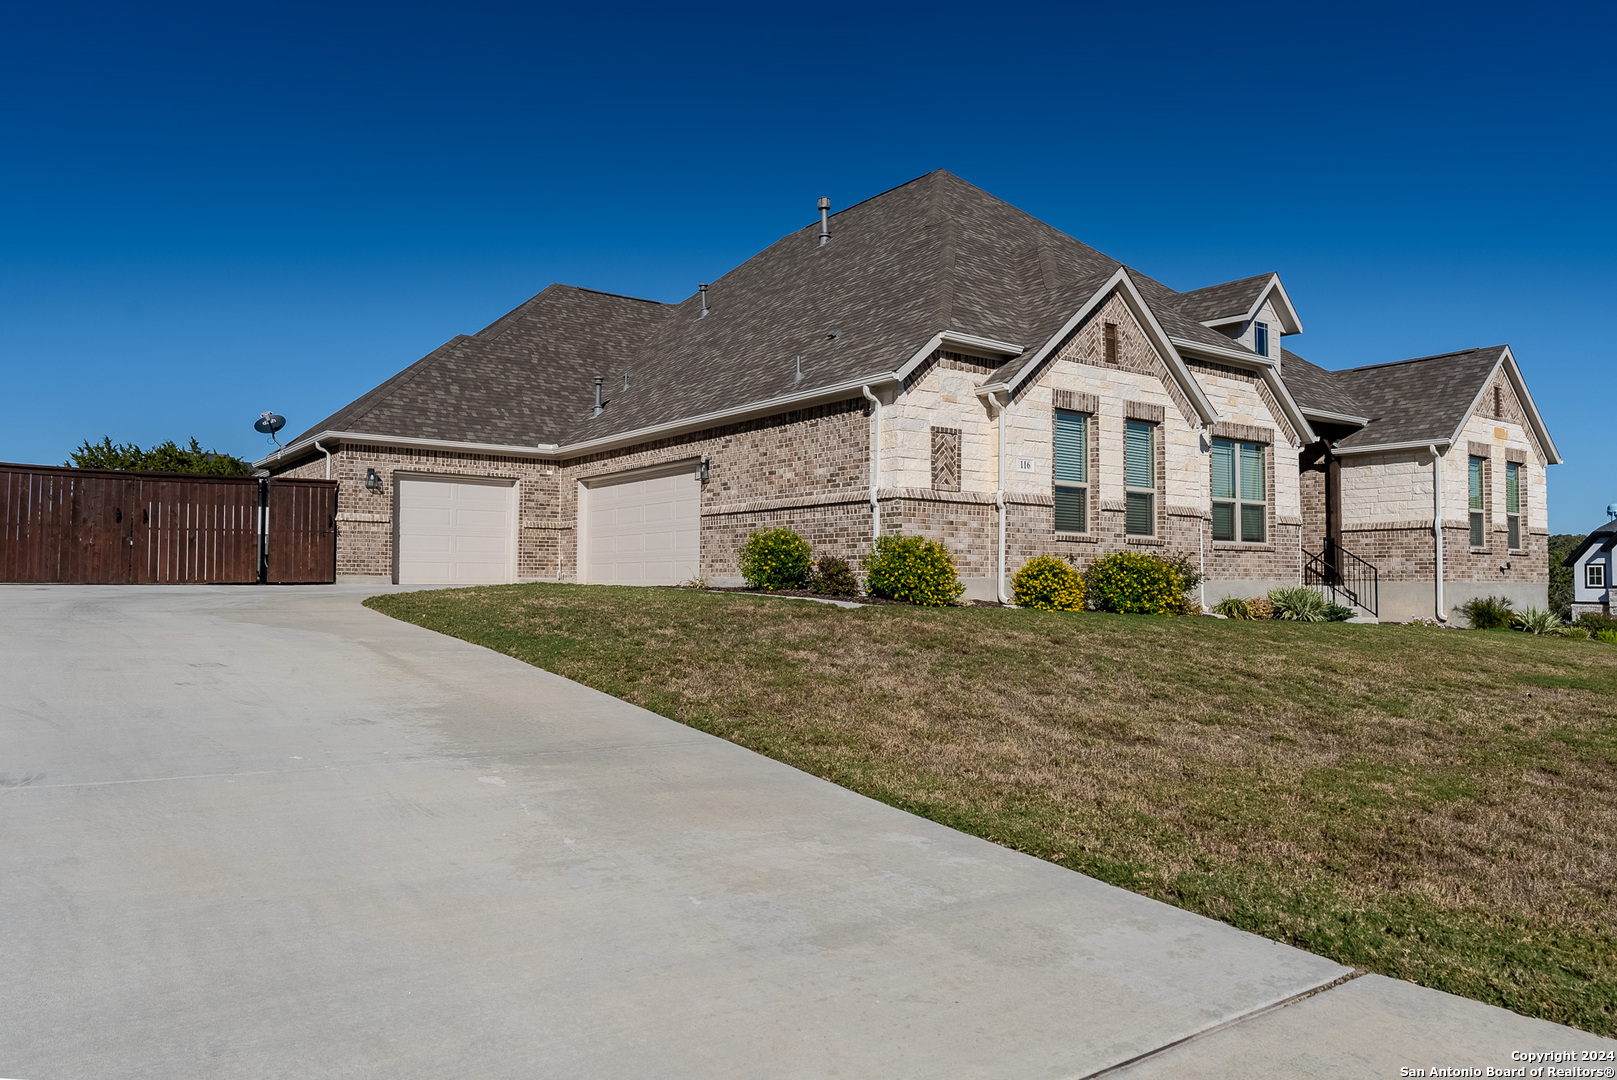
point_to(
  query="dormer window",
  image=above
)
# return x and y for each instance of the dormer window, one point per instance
(1260, 338)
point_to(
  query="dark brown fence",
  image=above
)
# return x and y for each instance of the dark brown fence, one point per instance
(90, 527)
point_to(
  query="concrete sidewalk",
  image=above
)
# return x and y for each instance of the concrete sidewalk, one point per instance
(261, 831)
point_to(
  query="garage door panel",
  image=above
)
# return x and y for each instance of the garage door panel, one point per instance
(644, 532)
(455, 532)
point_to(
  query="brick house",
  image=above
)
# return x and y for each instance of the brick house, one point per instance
(935, 361)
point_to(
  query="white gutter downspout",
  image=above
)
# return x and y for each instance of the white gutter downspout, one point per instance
(1437, 526)
(875, 464)
(326, 452)
(999, 498)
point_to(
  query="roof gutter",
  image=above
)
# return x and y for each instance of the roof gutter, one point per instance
(1333, 417)
(836, 392)
(1417, 444)
(1249, 358)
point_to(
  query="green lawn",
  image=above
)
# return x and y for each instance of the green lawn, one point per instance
(1434, 805)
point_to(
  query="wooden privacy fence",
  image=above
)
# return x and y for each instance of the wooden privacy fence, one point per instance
(94, 527)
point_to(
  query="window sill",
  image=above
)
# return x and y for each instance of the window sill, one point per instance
(1237, 545)
(1481, 551)
(1150, 541)
(1077, 538)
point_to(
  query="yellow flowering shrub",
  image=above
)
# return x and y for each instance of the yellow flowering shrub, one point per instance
(1133, 584)
(1048, 583)
(914, 570)
(775, 559)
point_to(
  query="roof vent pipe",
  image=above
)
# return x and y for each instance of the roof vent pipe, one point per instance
(825, 220)
(598, 381)
(702, 288)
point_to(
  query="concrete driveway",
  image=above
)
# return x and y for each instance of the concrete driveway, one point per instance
(266, 832)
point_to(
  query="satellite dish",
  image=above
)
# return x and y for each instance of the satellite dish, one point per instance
(268, 424)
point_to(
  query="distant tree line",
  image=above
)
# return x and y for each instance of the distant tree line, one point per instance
(1561, 545)
(164, 457)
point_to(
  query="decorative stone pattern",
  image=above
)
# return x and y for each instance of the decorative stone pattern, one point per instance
(946, 459)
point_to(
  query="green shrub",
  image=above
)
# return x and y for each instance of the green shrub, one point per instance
(833, 577)
(1608, 636)
(1536, 621)
(1235, 607)
(914, 570)
(775, 559)
(1338, 613)
(1595, 623)
(1134, 584)
(1048, 583)
(1487, 612)
(1575, 633)
(164, 457)
(1298, 603)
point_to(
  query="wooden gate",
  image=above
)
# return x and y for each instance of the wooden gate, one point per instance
(195, 530)
(302, 547)
(94, 527)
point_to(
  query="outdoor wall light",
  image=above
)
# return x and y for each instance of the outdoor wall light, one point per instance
(701, 471)
(373, 480)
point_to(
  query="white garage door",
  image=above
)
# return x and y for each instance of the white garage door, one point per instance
(643, 532)
(455, 532)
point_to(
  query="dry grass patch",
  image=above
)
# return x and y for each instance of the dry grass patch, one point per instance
(1436, 806)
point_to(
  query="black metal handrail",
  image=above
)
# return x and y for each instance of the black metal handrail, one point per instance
(1345, 575)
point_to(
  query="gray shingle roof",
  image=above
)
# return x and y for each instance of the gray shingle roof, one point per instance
(516, 382)
(931, 255)
(1313, 387)
(1417, 400)
(1227, 300)
(1605, 537)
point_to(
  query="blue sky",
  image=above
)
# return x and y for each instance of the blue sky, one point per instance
(215, 210)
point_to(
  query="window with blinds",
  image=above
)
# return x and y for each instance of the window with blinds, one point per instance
(1140, 478)
(1240, 500)
(1478, 536)
(1071, 471)
(1513, 502)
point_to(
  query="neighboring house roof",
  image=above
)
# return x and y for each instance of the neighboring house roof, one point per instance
(1604, 537)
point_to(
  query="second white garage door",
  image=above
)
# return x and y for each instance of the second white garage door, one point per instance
(643, 532)
(455, 532)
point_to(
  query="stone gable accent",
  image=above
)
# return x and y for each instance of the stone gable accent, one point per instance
(1198, 366)
(1135, 353)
